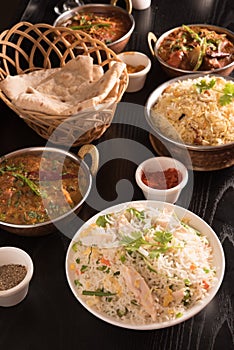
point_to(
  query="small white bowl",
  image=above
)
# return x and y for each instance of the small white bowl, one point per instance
(160, 164)
(12, 255)
(134, 58)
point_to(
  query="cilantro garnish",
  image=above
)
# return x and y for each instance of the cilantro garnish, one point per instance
(140, 215)
(203, 85)
(103, 220)
(161, 238)
(228, 94)
(134, 242)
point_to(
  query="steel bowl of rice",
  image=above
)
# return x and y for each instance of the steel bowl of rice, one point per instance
(192, 119)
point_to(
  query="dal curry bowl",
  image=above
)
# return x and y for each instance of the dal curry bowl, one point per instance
(191, 119)
(43, 188)
(194, 48)
(110, 24)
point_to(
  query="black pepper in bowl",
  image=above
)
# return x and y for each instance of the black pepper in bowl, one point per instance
(11, 275)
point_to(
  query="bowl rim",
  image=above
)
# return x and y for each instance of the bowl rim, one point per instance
(142, 54)
(72, 156)
(28, 276)
(69, 13)
(158, 91)
(176, 188)
(179, 70)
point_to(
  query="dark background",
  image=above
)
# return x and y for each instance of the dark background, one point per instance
(50, 317)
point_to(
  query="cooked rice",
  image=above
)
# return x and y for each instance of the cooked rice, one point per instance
(183, 113)
(174, 274)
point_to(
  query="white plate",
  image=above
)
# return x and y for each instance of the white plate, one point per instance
(194, 221)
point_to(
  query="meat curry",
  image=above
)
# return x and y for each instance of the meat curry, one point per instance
(107, 28)
(196, 48)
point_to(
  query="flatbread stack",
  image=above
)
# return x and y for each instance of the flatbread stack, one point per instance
(78, 86)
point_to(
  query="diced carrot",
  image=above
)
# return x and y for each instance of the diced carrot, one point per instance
(105, 262)
(205, 284)
(193, 267)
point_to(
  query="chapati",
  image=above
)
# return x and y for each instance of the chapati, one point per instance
(77, 86)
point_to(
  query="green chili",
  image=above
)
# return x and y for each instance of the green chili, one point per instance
(97, 293)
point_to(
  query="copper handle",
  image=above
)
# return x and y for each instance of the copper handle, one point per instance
(152, 38)
(128, 4)
(92, 150)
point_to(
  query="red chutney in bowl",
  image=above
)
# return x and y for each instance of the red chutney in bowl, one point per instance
(162, 180)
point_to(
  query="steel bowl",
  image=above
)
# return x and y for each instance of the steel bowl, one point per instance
(65, 221)
(155, 43)
(118, 45)
(195, 157)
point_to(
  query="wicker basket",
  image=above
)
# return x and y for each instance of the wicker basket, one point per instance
(27, 47)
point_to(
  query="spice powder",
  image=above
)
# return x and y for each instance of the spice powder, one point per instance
(11, 275)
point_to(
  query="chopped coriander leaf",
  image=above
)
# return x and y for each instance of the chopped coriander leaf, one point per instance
(203, 85)
(140, 215)
(134, 242)
(103, 220)
(187, 282)
(122, 313)
(109, 299)
(154, 254)
(77, 283)
(75, 246)
(206, 270)
(187, 296)
(228, 94)
(163, 237)
(83, 268)
(102, 268)
(123, 258)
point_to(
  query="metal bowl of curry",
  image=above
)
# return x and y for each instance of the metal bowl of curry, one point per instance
(110, 24)
(43, 188)
(194, 48)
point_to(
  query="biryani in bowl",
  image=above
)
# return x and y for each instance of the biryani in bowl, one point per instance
(195, 113)
(145, 265)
